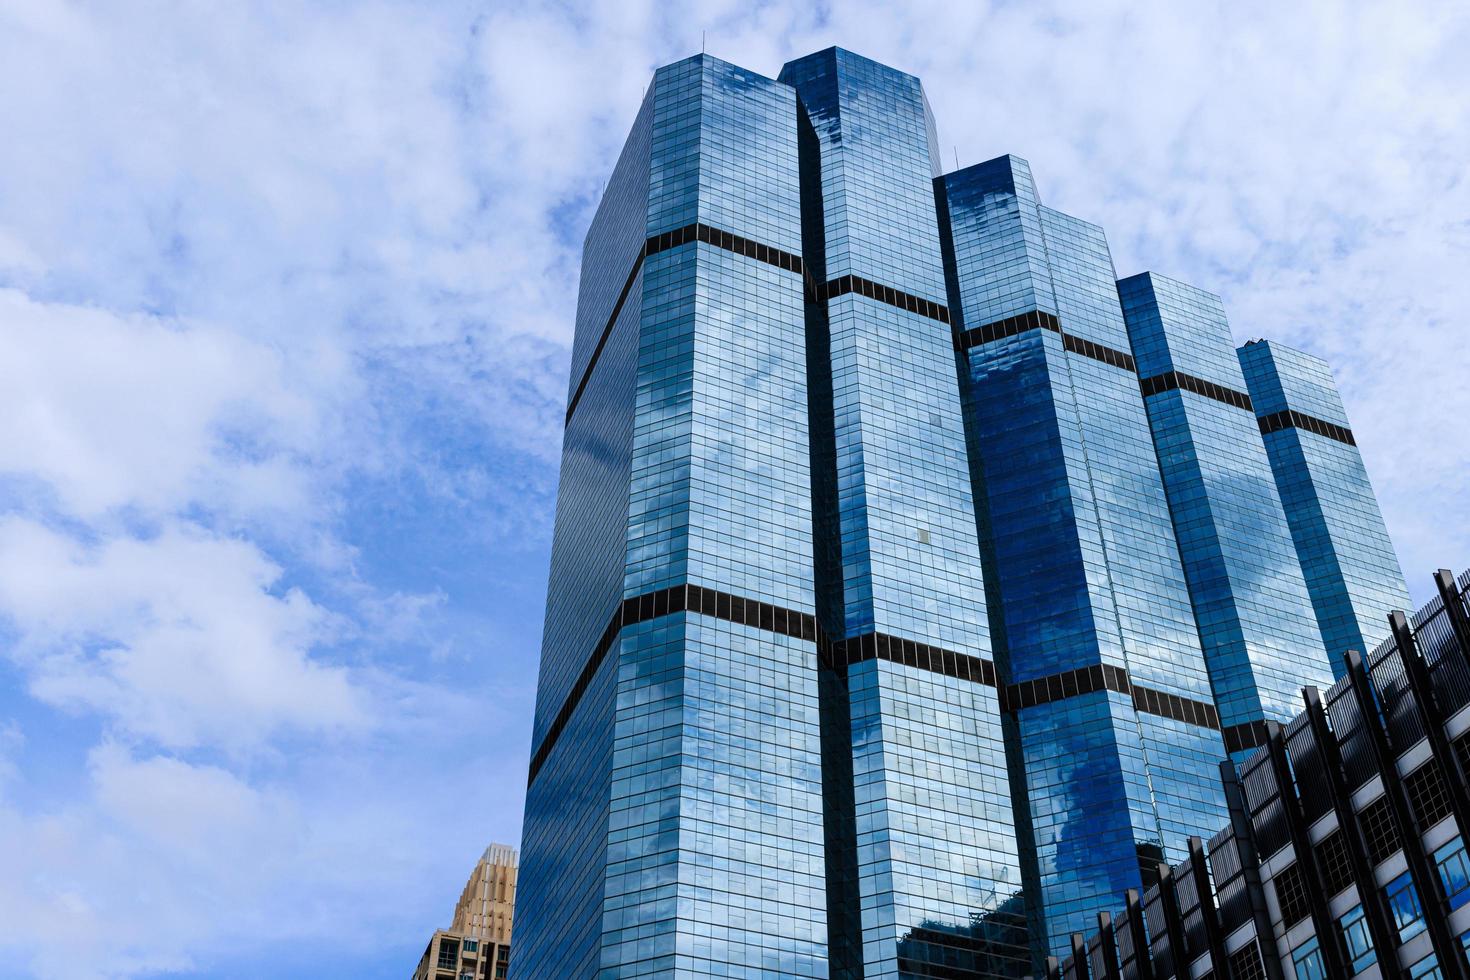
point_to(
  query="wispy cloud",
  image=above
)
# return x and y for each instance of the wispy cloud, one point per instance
(286, 297)
(113, 412)
(176, 639)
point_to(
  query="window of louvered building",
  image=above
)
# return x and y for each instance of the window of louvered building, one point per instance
(1333, 859)
(1245, 963)
(1428, 795)
(1379, 829)
(1291, 894)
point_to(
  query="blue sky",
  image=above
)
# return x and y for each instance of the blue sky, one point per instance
(286, 294)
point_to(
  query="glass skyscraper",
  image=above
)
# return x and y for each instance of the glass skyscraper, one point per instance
(911, 869)
(1250, 599)
(1115, 760)
(895, 626)
(1351, 570)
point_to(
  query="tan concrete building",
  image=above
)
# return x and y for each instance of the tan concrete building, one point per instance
(476, 946)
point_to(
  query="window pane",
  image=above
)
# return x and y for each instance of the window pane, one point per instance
(1359, 942)
(1454, 871)
(1307, 960)
(1403, 902)
(1426, 969)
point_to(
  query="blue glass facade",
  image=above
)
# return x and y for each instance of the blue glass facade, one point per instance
(1351, 570)
(898, 614)
(715, 835)
(924, 866)
(1092, 577)
(1250, 599)
(564, 843)
(700, 830)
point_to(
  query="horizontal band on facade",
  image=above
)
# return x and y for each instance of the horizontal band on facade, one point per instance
(727, 240)
(1106, 677)
(666, 602)
(1170, 380)
(1108, 355)
(1246, 735)
(843, 285)
(769, 254)
(1067, 684)
(858, 649)
(910, 653)
(1040, 320)
(1166, 705)
(1009, 327)
(1292, 419)
(574, 697)
(1026, 694)
(664, 241)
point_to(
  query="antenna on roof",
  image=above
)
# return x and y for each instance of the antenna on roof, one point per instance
(702, 35)
(956, 157)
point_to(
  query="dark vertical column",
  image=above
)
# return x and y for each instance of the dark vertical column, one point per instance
(1079, 956)
(900, 563)
(1143, 968)
(839, 818)
(1244, 837)
(1107, 950)
(1417, 672)
(1421, 870)
(1012, 726)
(1454, 606)
(1449, 593)
(1179, 950)
(1375, 910)
(1208, 913)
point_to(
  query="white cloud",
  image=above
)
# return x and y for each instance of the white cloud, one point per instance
(183, 638)
(134, 411)
(191, 814)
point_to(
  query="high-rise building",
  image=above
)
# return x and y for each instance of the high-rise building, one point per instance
(1250, 600)
(1344, 855)
(920, 839)
(674, 814)
(1083, 569)
(476, 946)
(873, 635)
(487, 904)
(1351, 570)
